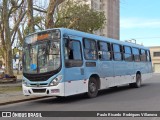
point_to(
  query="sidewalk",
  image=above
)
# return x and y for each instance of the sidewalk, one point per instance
(12, 93)
(15, 97)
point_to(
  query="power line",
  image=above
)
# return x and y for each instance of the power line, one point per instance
(147, 38)
(144, 38)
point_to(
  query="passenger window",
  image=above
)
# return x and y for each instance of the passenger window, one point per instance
(73, 55)
(143, 55)
(136, 54)
(90, 49)
(117, 52)
(127, 53)
(104, 51)
(73, 51)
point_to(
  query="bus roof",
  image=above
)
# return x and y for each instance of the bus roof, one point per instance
(92, 36)
(96, 37)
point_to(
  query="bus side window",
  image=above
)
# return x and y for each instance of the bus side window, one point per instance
(104, 50)
(90, 49)
(148, 56)
(127, 53)
(73, 50)
(73, 54)
(117, 52)
(136, 54)
(143, 55)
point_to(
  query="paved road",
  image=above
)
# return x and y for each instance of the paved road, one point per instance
(146, 98)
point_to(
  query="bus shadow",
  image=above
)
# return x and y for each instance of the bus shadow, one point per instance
(79, 97)
(62, 100)
(119, 89)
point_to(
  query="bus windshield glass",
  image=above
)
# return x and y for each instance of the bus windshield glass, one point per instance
(41, 56)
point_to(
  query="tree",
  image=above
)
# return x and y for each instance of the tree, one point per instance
(37, 19)
(50, 12)
(30, 16)
(8, 29)
(71, 15)
(7, 37)
(79, 16)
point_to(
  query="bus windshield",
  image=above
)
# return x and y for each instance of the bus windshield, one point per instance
(41, 57)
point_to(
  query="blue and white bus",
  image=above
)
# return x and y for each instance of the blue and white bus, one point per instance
(64, 62)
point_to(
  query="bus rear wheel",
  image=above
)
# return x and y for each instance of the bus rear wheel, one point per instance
(138, 82)
(92, 88)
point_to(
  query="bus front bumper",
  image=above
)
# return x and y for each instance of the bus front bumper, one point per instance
(44, 91)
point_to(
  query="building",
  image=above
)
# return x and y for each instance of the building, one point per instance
(155, 55)
(111, 10)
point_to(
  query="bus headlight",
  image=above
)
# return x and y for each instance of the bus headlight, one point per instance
(56, 80)
(24, 82)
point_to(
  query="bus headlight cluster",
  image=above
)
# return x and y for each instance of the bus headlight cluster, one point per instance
(56, 80)
(24, 82)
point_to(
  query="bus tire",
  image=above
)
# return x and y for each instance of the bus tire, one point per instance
(138, 82)
(92, 88)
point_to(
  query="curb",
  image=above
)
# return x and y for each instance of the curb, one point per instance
(23, 100)
(9, 81)
(3, 81)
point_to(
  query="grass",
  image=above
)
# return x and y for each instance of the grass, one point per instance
(5, 89)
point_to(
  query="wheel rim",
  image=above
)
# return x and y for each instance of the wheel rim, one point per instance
(92, 87)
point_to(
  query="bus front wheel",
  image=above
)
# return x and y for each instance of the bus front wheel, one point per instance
(92, 88)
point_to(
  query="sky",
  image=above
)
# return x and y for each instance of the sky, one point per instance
(140, 20)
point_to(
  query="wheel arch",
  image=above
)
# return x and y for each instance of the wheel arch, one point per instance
(96, 76)
(138, 72)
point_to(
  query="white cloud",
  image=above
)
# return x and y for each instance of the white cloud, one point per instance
(139, 23)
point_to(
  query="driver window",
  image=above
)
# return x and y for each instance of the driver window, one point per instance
(73, 50)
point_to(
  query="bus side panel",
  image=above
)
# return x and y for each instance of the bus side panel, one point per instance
(106, 73)
(149, 65)
(146, 71)
(74, 81)
(144, 68)
(107, 82)
(122, 72)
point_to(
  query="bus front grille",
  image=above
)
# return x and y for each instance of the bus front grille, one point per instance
(35, 79)
(40, 84)
(39, 90)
